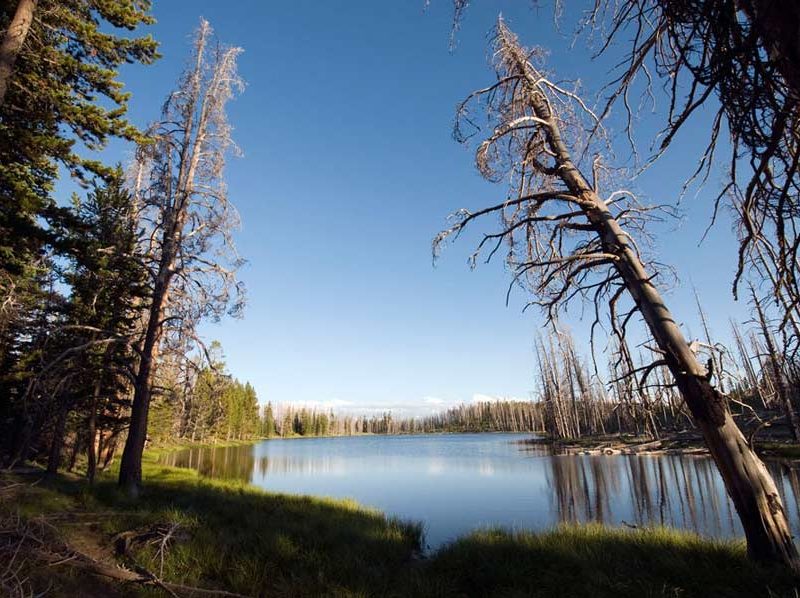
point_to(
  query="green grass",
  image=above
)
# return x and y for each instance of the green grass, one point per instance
(238, 538)
(598, 561)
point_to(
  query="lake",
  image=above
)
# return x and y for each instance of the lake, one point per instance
(455, 483)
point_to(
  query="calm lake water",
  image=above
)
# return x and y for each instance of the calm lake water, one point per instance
(456, 483)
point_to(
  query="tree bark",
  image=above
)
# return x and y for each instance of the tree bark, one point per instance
(130, 471)
(746, 478)
(109, 448)
(92, 448)
(54, 457)
(175, 213)
(13, 40)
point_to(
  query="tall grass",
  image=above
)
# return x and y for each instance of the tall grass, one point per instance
(235, 537)
(597, 561)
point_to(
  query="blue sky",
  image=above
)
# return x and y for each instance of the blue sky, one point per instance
(349, 170)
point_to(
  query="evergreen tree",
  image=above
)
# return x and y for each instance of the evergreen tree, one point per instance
(59, 93)
(109, 288)
(62, 94)
(268, 422)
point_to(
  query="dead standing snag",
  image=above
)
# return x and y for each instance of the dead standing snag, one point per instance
(565, 241)
(188, 222)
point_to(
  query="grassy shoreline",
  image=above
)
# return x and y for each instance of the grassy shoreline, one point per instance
(234, 537)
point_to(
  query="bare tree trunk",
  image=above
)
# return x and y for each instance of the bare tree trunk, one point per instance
(747, 480)
(77, 447)
(91, 433)
(12, 43)
(175, 213)
(110, 448)
(130, 471)
(54, 458)
(528, 144)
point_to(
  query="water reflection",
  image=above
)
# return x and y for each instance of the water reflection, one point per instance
(455, 483)
(223, 463)
(668, 490)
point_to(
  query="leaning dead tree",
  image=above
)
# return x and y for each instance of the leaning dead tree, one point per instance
(739, 62)
(745, 53)
(564, 241)
(188, 221)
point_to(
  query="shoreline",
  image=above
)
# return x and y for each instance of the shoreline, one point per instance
(688, 443)
(232, 443)
(233, 537)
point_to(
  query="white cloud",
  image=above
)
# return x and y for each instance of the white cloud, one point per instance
(433, 400)
(482, 398)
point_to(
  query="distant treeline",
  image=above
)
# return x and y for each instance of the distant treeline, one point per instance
(572, 400)
(487, 416)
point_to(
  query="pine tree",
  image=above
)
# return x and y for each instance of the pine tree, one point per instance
(109, 287)
(62, 92)
(268, 428)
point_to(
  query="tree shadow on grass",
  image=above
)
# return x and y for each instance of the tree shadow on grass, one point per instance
(599, 562)
(240, 539)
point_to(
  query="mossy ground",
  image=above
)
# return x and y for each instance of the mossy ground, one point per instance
(238, 538)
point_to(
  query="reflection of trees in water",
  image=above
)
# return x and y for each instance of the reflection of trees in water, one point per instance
(787, 479)
(320, 464)
(582, 493)
(667, 490)
(281, 464)
(242, 463)
(226, 463)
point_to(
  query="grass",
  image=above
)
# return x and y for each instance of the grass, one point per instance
(593, 560)
(239, 538)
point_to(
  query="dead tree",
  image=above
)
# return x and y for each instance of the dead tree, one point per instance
(739, 60)
(565, 241)
(772, 359)
(188, 219)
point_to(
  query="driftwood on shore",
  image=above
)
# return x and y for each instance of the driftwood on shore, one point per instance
(686, 442)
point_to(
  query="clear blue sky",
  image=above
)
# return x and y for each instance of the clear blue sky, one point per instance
(348, 172)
